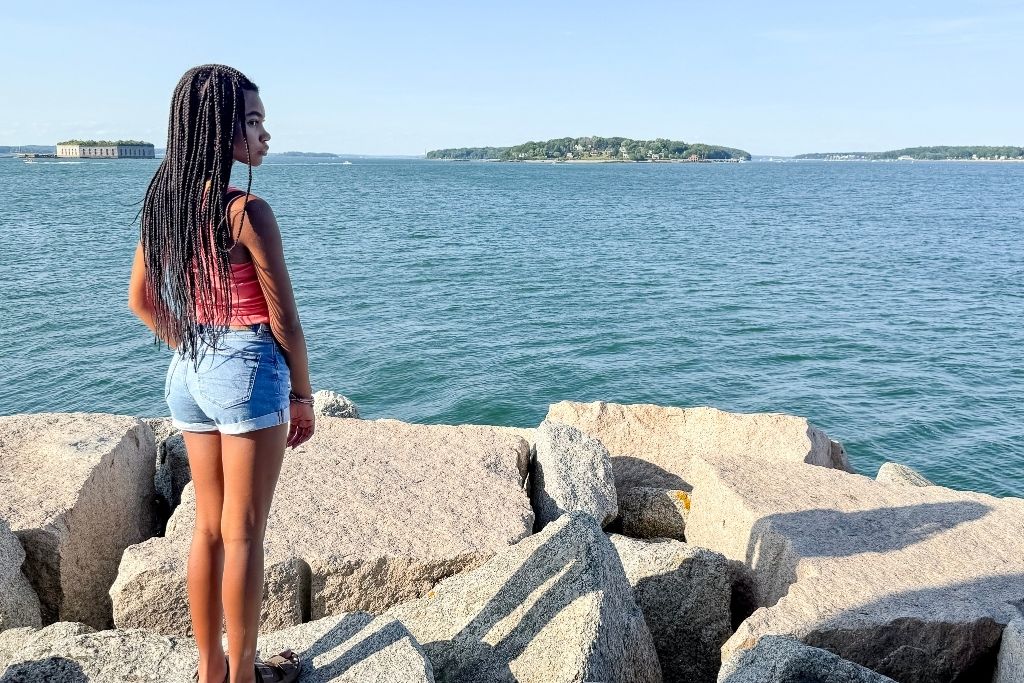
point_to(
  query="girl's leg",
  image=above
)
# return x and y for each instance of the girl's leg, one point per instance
(206, 556)
(252, 463)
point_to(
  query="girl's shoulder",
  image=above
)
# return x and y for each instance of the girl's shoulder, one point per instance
(237, 200)
(254, 212)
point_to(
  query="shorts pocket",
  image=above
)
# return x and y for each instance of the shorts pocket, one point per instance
(226, 379)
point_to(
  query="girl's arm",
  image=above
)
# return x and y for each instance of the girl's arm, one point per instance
(261, 235)
(139, 300)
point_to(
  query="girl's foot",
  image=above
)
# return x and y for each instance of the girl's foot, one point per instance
(214, 674)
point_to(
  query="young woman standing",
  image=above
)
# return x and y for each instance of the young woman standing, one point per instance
(210, 280)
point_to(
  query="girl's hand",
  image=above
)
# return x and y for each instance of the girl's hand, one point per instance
(303, 423)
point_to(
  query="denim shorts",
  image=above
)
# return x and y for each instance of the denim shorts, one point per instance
(239, 387)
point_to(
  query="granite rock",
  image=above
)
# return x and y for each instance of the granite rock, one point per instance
(352, 648)
(916, 583)
(556, 607)
(15, 640)
(78, 490)
(347, 648)
(646, 512)
(571, 472)
(172, 472)
(71, 653)
(328, 403)
(652, 445)
(778, 659)
(19, 604)
(1010, 663)
(684, 593)
(895, 473)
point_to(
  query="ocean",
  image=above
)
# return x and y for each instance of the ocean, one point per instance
(883, 301)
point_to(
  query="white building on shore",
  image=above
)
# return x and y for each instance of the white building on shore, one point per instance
(106, 149)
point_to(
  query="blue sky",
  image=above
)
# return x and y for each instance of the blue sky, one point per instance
(403, 77)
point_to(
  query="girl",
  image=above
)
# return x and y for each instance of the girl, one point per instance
(210, 280)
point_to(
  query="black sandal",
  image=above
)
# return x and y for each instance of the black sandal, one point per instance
(283, 667)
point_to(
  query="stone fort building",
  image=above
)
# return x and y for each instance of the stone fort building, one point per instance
(106, 149)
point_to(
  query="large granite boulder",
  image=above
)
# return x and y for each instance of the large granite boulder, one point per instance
(19, 604)
(571, 472)
(684, 593)
(901, 475)
(366, 514)
(556, 607)
(347, 648)
(352, 648)
(916, 583)
(78, 489)
(1010, 663)
(652, 445)
(646, 512)
(778, 659)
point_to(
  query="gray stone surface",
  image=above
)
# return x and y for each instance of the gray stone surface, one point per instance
(556, 607)
(652, 445)
(778, 659)
(352, 648)
(1010, 663)
(78, 489)
(347, 648)
(70, 653)
(332, 404)
(684, 593)
(916, 583)
(19, 604)
(895, 473)
(571, 472)
(366, 514)
(13, 640)
(646, 512)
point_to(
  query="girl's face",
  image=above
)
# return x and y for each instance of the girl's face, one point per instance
(253, 131)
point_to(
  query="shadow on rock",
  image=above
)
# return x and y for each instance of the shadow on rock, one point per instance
(832, 533)
(630, 472)
(353, 654)
(47, 670)
(950, 633)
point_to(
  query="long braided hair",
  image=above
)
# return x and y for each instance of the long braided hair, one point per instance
(207, 112)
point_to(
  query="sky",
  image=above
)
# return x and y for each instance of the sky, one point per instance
(776, 78)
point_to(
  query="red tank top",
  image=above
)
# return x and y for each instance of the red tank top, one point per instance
(248, 303)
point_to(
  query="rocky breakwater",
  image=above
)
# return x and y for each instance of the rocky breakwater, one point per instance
(665, 539)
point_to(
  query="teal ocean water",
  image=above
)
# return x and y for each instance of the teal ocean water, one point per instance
(882, 301)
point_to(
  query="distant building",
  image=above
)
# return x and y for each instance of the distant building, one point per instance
(106, 149)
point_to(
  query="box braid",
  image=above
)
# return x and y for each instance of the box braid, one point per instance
(207, 111)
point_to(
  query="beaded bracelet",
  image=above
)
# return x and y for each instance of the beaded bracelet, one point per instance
(295, 398)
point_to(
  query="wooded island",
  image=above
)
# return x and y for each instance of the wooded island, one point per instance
(597, 149)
